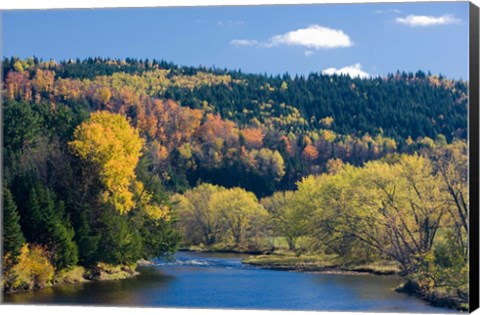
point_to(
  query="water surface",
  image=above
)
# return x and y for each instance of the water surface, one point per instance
(200, 280)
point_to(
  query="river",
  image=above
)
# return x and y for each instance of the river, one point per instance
(200, 280)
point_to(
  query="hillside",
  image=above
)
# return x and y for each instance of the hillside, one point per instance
(279, 128)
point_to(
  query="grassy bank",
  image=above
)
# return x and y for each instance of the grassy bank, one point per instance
(222, 249)
(104, 272)
(320, 263)
(78, 274)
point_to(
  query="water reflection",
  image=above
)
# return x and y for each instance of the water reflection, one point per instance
(116, 292)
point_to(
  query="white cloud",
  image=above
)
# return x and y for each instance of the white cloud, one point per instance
(354, 71)
(243, 42)
(424, 20)
(308, 53)
(314, 36)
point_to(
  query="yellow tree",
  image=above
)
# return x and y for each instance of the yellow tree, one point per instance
(198, 222)
(399, 208)
(109, 142)
(327, 203)
(290, 218)
(240, 212)
(451, 164)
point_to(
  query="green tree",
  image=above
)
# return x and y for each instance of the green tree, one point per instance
(22, 125)
(158, 238)
(269, 163)
(62, 240)
(48, 226)
(87, 239)
(12, 238)
(120, 242)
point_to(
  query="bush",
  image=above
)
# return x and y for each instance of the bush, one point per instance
(33, 270)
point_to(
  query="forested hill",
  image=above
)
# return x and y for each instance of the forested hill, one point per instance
(259, 132)
(398, 106)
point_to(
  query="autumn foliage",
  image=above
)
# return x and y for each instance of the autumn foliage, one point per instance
(109, 143)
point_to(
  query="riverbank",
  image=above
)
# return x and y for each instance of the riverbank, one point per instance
(226, 250)
(322, 264)
(78, 274)
(213, 281)
(331, 264)
(440, 297)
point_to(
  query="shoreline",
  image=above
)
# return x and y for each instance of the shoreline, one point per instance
(326, 264)
(340, 270)
(79, 274)
(434, 297)
(222, 250)
(105, 272)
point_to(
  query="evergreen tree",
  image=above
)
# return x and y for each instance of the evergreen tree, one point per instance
(120, 241)
(158, 238)
(49, 227)
(87, 239)
(61, 234)
(33, 219)
(13, 238)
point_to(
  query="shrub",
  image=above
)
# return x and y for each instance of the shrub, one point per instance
(33, 270)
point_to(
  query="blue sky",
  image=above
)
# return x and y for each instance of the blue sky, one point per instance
(361, 39)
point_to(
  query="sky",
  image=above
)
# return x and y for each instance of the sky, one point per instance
(359, 39)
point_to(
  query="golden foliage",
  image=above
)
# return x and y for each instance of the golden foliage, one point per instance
(144, 201)
(110, 143)
(328, 135)
(102, 95)
(33, 269)
(326, 122)
(199, 79)
(43, 80)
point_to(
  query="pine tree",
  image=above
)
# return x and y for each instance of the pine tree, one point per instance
(158, 238)
(121, 242)
(87, 239)
(49, 227)
(66, 251)
(13, 238)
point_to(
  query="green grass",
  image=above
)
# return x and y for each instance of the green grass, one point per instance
(330, 263)
(382, 267)
(222, 248)
(290, 261)
(74, 275)
(108, 272)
